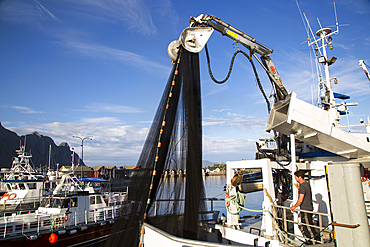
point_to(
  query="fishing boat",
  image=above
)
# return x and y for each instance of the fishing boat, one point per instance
(22, 185)
(251, 182)
(337, 169)
(78, 212)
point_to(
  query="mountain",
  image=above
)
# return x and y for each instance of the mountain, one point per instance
(206, 163)
(36, 144)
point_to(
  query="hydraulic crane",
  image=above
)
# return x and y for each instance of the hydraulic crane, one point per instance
(195, 37)
(363, 66)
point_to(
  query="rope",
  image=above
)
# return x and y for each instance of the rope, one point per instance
(366, 65)
(230, 69)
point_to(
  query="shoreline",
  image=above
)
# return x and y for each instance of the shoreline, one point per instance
(203, 174)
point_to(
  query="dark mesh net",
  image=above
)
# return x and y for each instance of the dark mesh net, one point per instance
(174, 142)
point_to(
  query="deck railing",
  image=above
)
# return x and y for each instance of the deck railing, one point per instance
(211, 200)
(288, 223)
(286, 219)
(34, 224)
(23, 224)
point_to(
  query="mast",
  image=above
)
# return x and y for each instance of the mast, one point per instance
(49, 155)
(319, 45)
(73, 158)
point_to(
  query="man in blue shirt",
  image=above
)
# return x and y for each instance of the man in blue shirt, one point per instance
(305, 203)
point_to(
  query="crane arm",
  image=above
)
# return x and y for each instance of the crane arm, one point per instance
(363, 66)
(193, 39)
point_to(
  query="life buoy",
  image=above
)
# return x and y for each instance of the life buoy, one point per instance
(58, 222)
(65, 217)
(11, 196)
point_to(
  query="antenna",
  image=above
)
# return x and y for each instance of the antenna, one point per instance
(336, 18)
(300, 12)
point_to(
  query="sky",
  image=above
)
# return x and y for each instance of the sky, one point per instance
(99, 67)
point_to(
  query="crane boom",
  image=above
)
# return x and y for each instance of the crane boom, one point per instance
(363, 66)
(194, 40)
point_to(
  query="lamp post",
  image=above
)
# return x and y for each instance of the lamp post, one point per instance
(82, 148)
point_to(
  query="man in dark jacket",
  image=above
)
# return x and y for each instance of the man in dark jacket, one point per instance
(305, 203)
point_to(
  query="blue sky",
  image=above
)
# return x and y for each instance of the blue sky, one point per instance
(84, 67)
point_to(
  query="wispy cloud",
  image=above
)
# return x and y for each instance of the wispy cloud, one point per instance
(26, 12)
(107, 53)
(134, 14)
(101, 120)
(44, 12)
(222, 110)
(218, 90)
(26, 110)
(235, 120)
(109, 108)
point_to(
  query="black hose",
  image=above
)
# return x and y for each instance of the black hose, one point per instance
(230, 69)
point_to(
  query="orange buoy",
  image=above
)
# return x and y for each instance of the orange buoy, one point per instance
(53, 238)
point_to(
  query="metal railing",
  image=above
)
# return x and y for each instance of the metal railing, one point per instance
(286, 222)
(211, 200)
(35, 223)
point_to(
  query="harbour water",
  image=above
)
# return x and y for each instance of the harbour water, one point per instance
(214, 188)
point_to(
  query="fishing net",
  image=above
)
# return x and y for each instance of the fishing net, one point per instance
(174, 143)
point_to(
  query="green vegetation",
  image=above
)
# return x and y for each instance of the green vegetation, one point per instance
(221, 166)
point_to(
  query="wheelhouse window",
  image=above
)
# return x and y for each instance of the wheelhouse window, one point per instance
(32, 186)
(22, 186)
(92, 200)
(74, 202)
(53, 203)
(98, 200)
(46, 202)
(58, 203)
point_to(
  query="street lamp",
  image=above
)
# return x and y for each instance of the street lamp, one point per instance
(82, 147)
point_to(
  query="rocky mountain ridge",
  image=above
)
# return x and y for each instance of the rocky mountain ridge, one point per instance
(36, 144)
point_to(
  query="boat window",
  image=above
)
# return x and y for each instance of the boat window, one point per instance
(58, 203)
(98, 200)
(15, 187)
(67, 203)
(74, 202)
(47, 185)
(22, 186)
(8, 187)
(32, 186)
(46, 203)
(92, 200)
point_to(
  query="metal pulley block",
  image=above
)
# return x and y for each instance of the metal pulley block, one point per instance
(193, 39)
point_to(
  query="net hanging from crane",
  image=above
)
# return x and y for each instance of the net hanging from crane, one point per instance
(174, 142)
